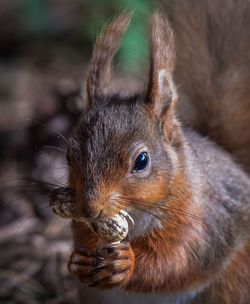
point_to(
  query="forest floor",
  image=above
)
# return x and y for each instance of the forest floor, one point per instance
(37, 105)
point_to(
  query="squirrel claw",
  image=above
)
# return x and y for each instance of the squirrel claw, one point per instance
(108, 266)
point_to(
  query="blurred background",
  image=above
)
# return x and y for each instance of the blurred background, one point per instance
(45, 48)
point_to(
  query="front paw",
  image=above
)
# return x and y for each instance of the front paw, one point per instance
(81, 263)
(111, 265)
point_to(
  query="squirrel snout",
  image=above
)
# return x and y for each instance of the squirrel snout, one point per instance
(98, 206)
(93, 210)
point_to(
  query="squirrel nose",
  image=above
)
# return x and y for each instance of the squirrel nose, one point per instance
(93, 209)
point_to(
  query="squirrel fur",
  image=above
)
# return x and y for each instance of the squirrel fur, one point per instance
(190, 242)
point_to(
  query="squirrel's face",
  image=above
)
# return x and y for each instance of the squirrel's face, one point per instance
(121, 159)
(124, 152)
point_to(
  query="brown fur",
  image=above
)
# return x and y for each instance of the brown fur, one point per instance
(194, 199)
(212, 71)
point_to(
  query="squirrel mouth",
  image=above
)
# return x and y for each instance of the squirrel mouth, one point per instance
(112, 229)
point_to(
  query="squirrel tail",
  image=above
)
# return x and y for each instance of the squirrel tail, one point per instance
(213, 70)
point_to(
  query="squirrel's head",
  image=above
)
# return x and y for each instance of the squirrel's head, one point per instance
(126, 149)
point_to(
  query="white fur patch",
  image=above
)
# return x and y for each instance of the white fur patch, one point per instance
(144, 223)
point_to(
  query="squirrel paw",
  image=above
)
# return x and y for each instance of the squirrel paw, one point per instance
(109, 266)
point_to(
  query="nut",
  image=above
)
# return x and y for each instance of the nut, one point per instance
(113, 229)
(62, 202)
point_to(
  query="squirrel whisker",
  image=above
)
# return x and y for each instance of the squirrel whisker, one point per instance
(51, 130)
(55, 148)
(141, 206)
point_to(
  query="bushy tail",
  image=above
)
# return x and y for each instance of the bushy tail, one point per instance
(213, 70)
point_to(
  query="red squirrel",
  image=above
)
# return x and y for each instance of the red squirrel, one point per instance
(188, 198)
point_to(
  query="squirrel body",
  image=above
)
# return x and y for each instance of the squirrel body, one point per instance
(203, 269)
(189, 200)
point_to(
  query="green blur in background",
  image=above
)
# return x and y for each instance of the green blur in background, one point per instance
(39, 23)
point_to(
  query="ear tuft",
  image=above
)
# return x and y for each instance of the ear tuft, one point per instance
(161, 91)
(105, 48)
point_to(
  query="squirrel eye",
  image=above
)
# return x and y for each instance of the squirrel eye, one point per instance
(141, 162)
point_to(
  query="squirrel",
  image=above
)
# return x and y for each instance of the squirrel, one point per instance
(186, 189)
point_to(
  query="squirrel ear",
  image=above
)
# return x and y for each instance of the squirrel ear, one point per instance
(161, 92)
(105, 48)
